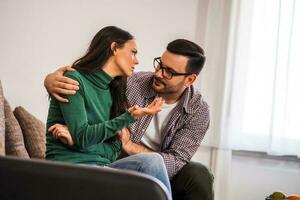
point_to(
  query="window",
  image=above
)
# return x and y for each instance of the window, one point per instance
(264, 110)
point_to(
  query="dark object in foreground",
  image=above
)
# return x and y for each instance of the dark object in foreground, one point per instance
(30, 179)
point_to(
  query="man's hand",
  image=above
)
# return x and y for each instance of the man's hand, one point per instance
(56, 83)
(124, 137)
(61, 132)
(130, 147)
(151, 109)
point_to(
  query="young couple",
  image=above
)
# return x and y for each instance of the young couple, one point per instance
(93, 103)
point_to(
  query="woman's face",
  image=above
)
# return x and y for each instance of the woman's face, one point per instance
(125, 58)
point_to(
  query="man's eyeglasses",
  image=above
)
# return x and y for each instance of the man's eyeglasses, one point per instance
(166, 72)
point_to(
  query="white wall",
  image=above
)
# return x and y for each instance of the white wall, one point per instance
(38, 36)
(255, 177)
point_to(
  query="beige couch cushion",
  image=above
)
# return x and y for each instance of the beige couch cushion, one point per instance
(2, 123)
(33, 131)
(14, 142)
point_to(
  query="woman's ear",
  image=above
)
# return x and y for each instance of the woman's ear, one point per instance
(113, 47)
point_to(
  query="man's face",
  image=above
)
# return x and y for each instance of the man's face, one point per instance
(174, 63)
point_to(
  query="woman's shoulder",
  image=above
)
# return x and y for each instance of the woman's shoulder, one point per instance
(73, 74)
(77, 76)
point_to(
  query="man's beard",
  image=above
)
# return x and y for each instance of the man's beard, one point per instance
(164, 90)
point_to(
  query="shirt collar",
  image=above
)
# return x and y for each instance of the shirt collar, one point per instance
(100, 79)
(185, 98)
(103, 77)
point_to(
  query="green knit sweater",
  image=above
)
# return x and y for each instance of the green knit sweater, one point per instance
(87, 116)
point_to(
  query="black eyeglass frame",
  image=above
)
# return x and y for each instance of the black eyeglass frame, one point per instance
(158, 60)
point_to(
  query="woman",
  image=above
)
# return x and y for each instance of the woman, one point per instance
(96, 113)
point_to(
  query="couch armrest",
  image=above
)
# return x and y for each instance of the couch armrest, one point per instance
(40, 179)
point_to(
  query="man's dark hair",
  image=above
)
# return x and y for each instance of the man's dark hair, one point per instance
(194, 52)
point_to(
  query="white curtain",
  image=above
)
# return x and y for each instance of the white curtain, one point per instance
(262, 103)
(211, 84)
(251, 80)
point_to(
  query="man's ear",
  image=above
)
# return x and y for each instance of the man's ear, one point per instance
(190, 80)
(113, 47)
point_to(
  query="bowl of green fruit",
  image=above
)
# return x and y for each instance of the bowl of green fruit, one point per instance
(282, 196)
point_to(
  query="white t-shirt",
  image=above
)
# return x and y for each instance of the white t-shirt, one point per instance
(152, 137)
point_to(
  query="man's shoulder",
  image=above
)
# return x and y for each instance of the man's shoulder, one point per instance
(197, 101)
(139, 86)
(140, 76)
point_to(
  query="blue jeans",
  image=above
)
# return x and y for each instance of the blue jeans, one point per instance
(148, 163)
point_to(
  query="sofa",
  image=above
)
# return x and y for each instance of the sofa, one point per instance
(25, 174)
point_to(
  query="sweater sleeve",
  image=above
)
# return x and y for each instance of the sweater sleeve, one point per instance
(83, 133)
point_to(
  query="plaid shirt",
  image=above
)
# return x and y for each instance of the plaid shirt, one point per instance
(186, 127)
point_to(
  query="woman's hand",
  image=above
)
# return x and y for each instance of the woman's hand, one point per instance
(56, 83)
(151, 109)
(61, 132)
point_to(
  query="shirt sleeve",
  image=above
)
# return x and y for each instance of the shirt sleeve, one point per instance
(83, 133)
(112, 148)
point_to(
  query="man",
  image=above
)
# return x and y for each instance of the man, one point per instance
(177, 131)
